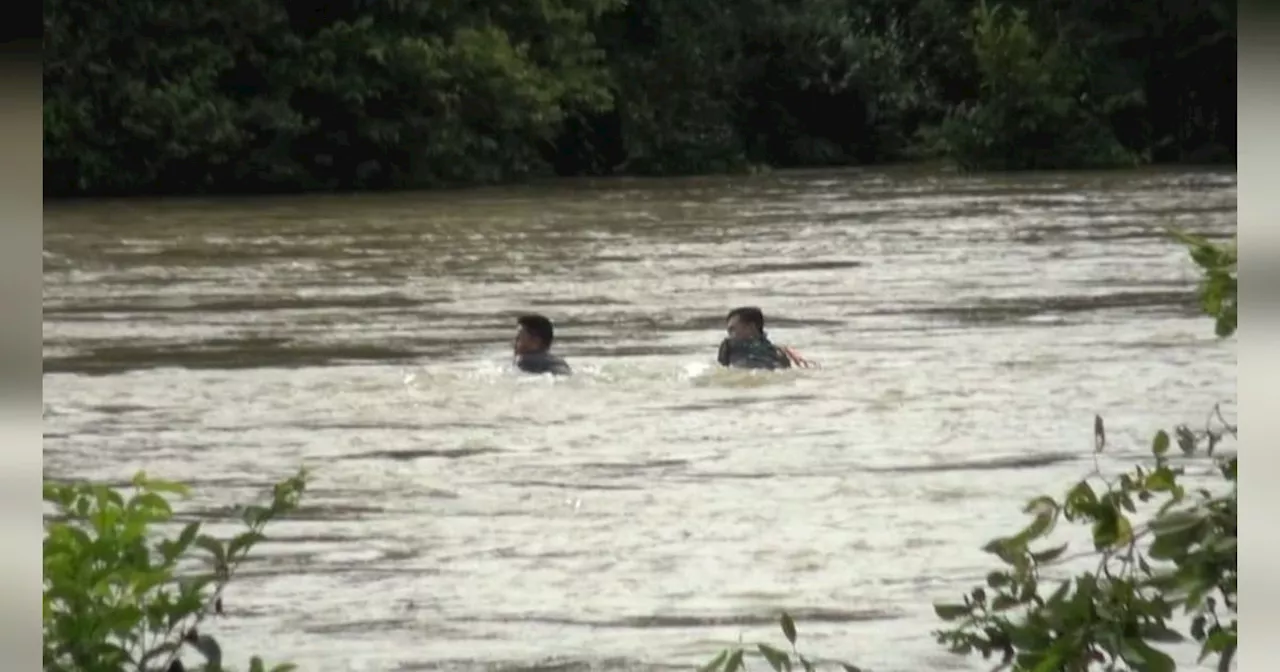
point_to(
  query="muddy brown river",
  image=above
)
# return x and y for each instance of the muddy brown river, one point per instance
(651, 509)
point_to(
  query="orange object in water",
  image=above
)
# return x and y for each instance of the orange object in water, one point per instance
(796, 358)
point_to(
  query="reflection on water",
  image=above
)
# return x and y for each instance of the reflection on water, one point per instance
(653, 507)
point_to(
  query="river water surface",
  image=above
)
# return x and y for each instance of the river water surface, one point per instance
(651, 509)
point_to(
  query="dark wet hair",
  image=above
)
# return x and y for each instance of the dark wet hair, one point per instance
(748, 314)
(539, 326)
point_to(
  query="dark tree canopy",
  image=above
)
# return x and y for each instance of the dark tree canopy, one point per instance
(156, 96)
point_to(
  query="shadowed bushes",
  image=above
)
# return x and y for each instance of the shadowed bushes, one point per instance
(288, 95)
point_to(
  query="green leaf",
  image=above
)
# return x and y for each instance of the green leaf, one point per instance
(1126, 502)
(1060, 594)
(1176, 521)
(1041, 505)
(1158, 632)
(255, 516)
(1219, 640)
(1169, 546)
(142, 482)
(215, 548)
(1027, 638)
(1224, 545)
(1228, 653)
(1226, 325)
(144, 582)
(1186, 440)
(1124, 529)
(256, 665)
(1081, 498)
(70, 537)
(285, 667)
(1198, 627)
(243, 543)
(1099, 434)
(1030, 589)
(1011, 551)
(995, 546)
(1160, 445)
(804, 662)
(851, 668)
(714, 663)
(1112, 529)
(1229, 469)
(788, 628)
(1051, 662)
(121, 621)
(186, 538)
(1141, 655)
(169, 487)
(1049, 555)
(1039, 527)
(161, 650)
(152, 505)
(734, 662)
(82, 507)
(776, 659)
(209, 648)
(951, 612)
(1161, 480)
(1002, 602)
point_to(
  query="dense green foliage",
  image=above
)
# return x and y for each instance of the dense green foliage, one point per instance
(249, 95)
(1161, 568)
(119, 596)
(1168, 579)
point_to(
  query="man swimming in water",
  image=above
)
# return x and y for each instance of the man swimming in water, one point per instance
(534, 335)
(748, 347)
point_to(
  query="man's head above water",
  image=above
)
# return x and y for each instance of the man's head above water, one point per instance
(745, 323)
(534, 333)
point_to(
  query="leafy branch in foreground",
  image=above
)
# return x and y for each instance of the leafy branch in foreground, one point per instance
(1182, 559)
(733, 660)
(1217, 290)
(114, 597)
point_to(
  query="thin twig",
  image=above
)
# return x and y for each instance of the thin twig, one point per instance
(224, 578)
(1231, 429)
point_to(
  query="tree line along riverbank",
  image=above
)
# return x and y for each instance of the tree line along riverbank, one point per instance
(160, 97)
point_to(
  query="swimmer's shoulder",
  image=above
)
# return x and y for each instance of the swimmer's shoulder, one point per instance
(544, 362)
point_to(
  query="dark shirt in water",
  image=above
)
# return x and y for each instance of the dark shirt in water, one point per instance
(756, 353)
(542, 362)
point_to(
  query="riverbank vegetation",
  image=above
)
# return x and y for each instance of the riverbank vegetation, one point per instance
(287, 95)
(119, 596)
(1160, 568)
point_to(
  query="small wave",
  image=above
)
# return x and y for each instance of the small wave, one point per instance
(406, 455)
(591, 373)
(663, 621)
(717, 376)
(573, 486)
(556, 664)
(1011, 462)
(636, 466)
